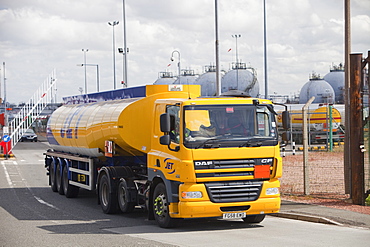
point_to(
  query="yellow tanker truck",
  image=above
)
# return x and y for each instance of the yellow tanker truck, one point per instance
(171, 152)
(318, 121)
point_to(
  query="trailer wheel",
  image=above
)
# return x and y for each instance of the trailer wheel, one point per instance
(161, 207)
(52, 178)
(124, 198)
(254, 218)
(70, 191)
(108, 201)
(59, 180)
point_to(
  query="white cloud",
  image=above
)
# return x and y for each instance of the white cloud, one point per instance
(39, 35)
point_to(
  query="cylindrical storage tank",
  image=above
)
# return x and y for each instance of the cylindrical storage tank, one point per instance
(319, 88)
(240, 79)
(336, 79)
(165, 78)
(83, 129)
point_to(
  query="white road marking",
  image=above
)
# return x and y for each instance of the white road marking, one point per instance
(7, 175)
(11, 184)
(45, 203)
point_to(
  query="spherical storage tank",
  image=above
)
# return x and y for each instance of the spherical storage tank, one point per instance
(239, 78)
(207, 81)
(319, 88)
(187, 77)
(336, 79)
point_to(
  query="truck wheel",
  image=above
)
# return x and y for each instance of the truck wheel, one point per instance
(161, 207)
(52, 177)
(254, 218)
(70, 191)
(123, 198)
(59, 180)
(108, 201)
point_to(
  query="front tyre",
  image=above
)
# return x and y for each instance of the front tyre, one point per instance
(108, 201)
(254, 219)
(161, 207)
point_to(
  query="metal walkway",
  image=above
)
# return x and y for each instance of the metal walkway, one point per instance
(43, 96)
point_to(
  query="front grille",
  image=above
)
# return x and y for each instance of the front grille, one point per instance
(223, 174)
(238, 191)
(222, 168)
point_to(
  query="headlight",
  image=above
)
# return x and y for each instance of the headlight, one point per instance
(191, 194)
(272, 191)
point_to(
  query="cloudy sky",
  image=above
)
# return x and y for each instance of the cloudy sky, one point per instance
(37, 36)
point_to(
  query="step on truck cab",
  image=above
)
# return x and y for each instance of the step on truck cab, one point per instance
(178, 155)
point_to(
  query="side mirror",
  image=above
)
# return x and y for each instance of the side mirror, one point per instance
(165, 140)
(286, 136)
(165, 122)
(286, 120)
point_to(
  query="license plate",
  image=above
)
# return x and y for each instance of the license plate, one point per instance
(238, 215)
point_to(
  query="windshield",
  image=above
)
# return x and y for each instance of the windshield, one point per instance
(229, 126)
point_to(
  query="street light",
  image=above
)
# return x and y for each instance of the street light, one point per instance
(113, 23)
(124, 43)
(218, 84)
(265, 47)
(236, 36)
(124, 52)
(178, 64)
(84, 51)
(97, 73)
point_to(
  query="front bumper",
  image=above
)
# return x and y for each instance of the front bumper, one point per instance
(204, 207)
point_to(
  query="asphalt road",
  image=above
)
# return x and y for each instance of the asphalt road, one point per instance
(32, 215)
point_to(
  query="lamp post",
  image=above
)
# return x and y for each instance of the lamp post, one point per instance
(178, 64)
(265, 47)
(84, 51)
(124, 43)
(124, 52)
(113, 23)
(5, 99)
(236, 36)
(97, 73)
(218, 84)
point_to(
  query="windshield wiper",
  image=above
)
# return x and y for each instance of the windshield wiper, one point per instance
(207, 143)
(255, 142)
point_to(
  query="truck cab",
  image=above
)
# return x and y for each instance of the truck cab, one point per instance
(216, 158)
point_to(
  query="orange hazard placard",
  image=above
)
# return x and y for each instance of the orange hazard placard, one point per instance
(262, 171)
(108, 148)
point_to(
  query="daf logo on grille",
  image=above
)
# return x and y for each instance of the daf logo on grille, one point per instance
(203, 163)
(265, 161)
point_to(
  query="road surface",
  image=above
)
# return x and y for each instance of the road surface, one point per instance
(32, 215)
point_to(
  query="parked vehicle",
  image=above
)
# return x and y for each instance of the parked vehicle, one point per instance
(29, 135)
(175, 154)
(318, 121)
